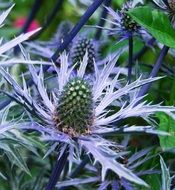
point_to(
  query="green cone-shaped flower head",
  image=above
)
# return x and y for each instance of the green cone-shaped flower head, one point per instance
(75, 107)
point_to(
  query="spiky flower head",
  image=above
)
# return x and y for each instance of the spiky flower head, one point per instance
(75, 107)
(59, 118)
(79, 48)
(127, 22)
(122, 24)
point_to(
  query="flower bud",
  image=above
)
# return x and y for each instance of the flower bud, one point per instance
(79, 49)
(75, 106)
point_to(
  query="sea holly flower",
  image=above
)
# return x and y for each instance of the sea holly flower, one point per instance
(80, 46)
(122, 24)
(124, 27)
(169, 7)
(79, 114)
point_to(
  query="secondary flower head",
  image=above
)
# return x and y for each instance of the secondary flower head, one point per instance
(80, 46)
(169, 7)
(82, 112)
(122, 24)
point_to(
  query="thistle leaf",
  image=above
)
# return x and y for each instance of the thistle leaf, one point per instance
(166, 180)
(108, 162)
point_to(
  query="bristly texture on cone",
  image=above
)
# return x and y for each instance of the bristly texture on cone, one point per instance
(75, 107)
(79, 49)
(127, 22)
(60, 120)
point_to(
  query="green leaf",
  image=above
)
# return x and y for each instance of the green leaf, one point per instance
(166, 124)
(156, 22)
(14, 156)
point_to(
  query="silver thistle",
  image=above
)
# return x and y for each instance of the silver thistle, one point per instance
(100, 95)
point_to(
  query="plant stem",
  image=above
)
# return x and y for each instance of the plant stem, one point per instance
(49, 19)
(154, 71)
(34, 10)
(102, 19)
(130, 61)
(59, 165)
(78, 169)
(92, 8)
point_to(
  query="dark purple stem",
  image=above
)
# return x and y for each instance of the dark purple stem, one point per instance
(59, 165)
(34, 10)
(77, 170)
(130, 61)
(49, 19)
(92, 8)
(154, 71)
(36, 6)
(102, 19)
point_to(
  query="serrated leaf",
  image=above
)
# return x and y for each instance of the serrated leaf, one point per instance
(14, 156)
(156, 22)
(108, 162)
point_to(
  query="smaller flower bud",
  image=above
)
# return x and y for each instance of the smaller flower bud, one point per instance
(128, 23)
(79, 49)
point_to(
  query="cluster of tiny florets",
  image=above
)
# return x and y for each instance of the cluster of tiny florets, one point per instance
(128, 23)
(75, 107)
(79, 49)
